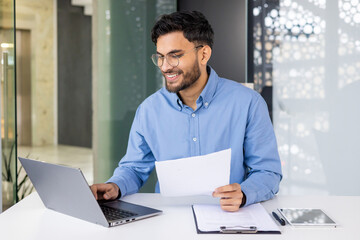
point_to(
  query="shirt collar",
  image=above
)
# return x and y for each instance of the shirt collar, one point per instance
(205, 97)
(208, 92)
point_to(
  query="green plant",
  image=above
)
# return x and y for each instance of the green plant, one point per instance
(24, 186)
(6, 173)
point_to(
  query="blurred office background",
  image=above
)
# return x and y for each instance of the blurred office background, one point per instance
(83, 66)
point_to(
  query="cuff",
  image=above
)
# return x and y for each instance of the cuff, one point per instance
(243, 201)
(250, 196)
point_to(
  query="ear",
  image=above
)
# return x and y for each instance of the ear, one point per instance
(205, 55)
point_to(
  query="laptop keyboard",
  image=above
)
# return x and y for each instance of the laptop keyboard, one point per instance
(114, 214)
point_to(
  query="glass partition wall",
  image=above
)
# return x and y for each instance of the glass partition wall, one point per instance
(123, 75)
(307, 53)
(8, 105)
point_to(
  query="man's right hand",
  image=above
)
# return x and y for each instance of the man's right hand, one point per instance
(107, 191)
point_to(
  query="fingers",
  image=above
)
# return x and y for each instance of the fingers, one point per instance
(226, 194)
(232, 208)
(107, 191)
(93, 189)
(229, 188)
(231, 197)
(231, 204)
(230, 201)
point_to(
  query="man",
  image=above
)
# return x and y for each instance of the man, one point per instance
(198, 113)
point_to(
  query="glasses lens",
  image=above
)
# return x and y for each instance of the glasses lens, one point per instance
(157, 60)
(172, 60)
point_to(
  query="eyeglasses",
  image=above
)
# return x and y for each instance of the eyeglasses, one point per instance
(171, 58)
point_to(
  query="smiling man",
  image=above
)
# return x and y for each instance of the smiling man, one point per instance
(197, 113)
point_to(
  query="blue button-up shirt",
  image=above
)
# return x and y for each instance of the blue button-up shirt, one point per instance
(228, 115)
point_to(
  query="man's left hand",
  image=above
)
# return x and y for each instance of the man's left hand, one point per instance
(230, 195)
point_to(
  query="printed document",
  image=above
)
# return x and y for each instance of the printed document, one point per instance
(199, 175)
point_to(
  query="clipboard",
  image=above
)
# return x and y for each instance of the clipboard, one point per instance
(234, 229)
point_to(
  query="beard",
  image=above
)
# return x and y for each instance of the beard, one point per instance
(188, 79)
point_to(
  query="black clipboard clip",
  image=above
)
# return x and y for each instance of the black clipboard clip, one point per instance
(238, 229)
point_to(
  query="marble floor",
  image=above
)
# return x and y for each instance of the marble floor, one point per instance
(77, 157)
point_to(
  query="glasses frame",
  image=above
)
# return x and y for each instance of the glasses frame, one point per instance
(156, 56)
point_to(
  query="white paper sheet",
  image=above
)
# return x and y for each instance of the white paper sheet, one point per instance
(212, 217)
(199, 175)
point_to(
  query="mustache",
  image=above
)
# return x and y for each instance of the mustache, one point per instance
(172, 72)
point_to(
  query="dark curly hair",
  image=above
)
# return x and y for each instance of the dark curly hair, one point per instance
(193, 24)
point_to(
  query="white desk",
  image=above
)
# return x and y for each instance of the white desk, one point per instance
(29, 219)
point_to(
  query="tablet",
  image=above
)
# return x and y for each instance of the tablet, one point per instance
(306, 217)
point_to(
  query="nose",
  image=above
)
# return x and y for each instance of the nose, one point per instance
(166, 66)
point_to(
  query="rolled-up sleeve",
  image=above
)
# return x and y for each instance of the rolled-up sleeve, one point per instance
(135, 167)
(261, 156)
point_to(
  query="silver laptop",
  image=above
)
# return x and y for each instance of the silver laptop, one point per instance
(65, 190)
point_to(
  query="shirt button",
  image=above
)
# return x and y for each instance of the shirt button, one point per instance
(194, 139)
(206, 104)
(193, 115)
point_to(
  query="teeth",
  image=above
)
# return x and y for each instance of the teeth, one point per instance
(171, 76)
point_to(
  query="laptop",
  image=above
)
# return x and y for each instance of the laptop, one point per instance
(65, 190)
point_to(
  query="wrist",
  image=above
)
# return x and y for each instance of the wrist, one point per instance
(117, 189)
